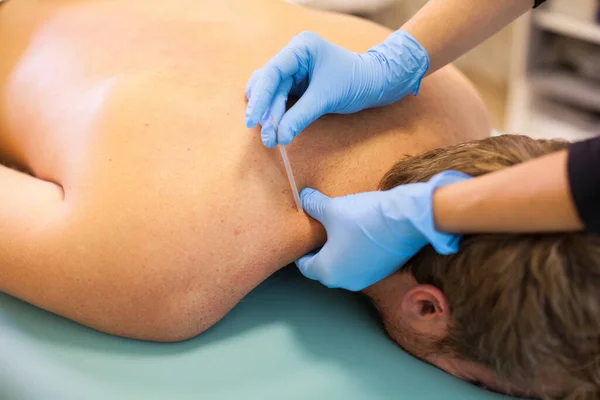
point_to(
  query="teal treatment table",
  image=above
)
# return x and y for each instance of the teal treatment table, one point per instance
(291, 338)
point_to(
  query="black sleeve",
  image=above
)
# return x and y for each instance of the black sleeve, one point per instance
(537, 3)
(584, 179)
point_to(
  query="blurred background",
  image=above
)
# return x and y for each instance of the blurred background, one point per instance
(539, 76)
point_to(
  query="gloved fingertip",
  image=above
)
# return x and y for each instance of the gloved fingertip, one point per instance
(267, 135)
(304, 265)
(253, 113)
(301, 262)
(249, 119)
(451, 246)
(268, 141)
(307, 192)
(314, 203)
(285, 137)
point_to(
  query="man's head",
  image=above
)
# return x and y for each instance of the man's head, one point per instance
(518, 313)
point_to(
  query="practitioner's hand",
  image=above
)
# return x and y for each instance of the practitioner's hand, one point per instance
(371, 235)
(330, 79)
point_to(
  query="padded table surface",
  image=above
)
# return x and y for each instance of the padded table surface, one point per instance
(289, 339)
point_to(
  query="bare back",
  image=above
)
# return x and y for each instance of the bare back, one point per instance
(152, 210)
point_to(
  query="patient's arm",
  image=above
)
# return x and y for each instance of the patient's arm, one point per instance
(29, 208)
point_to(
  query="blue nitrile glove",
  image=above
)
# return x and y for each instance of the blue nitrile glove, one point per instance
(330, 79)
(372, 235)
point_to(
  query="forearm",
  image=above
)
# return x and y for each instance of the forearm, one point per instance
(531, 197)
(449, 28)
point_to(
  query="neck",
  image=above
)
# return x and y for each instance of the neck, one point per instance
(388, 293)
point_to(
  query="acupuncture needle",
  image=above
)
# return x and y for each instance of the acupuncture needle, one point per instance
(288, 167)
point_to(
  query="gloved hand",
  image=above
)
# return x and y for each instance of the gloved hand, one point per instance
(371, 235)
(330, 79)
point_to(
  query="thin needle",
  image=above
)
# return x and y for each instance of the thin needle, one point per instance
(288, 168)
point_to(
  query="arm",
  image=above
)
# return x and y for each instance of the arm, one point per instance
(28, 207)
(449, 28)
(330, 79)
(529, 197)
(559, 192)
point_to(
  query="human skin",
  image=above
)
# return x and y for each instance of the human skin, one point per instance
(423, 315)
(150, 210)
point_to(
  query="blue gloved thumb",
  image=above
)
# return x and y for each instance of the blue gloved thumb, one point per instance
(306, 266)
(306, 111)
(314, 203)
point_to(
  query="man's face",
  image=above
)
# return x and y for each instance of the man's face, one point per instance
(416, 317)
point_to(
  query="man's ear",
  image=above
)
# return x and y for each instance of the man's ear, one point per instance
(426, 310)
